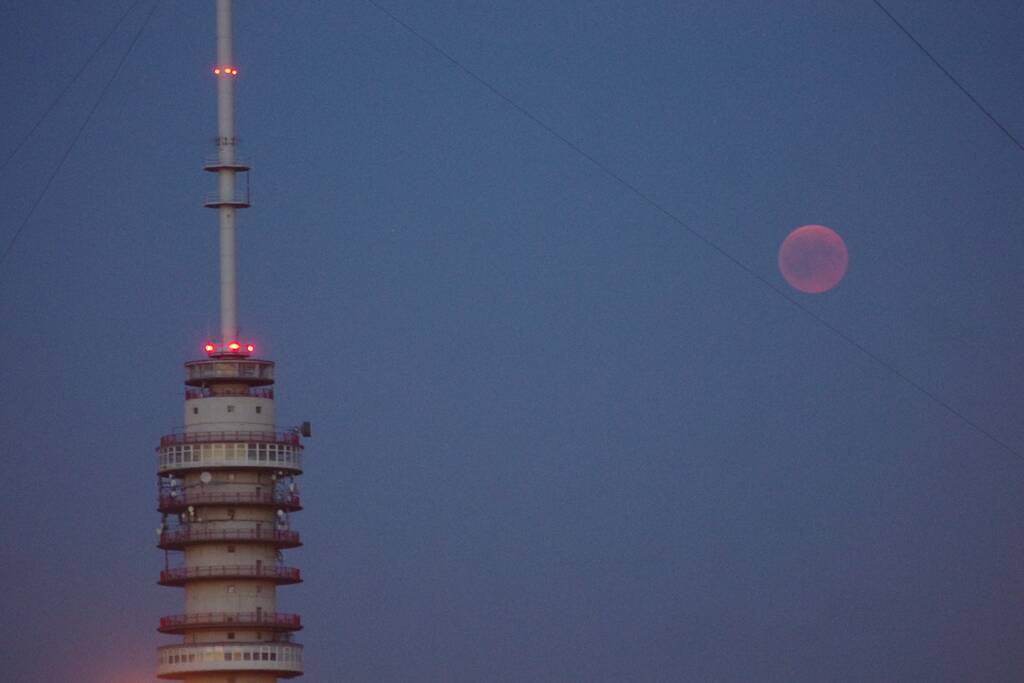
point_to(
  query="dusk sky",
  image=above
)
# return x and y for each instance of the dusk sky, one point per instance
(557, 436)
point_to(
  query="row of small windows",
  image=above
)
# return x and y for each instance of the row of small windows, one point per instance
(231, 409)
(219, 654)
(230, 452)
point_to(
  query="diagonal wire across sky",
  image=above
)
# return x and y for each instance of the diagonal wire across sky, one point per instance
(713, 245)
(85, 123)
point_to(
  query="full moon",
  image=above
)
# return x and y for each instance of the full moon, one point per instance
(813, 259)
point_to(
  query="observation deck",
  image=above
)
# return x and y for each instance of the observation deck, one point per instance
(230, 369)
(248, 392)
(289, 438)
(170, 503)
(283, 660)
(241, 449)
(178, 539)
(180, 623)
(179, 576)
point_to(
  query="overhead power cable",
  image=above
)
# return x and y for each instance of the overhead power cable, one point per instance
(650, 201)
(67, 152)
(74, 79)
(951, 77)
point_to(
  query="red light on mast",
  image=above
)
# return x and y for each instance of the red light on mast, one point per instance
(234, 346)
(250, 348)
(217, 71)
(209, 348)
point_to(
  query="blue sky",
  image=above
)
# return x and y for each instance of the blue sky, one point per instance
(556, 436)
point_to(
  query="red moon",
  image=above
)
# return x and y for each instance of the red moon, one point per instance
(813, 259)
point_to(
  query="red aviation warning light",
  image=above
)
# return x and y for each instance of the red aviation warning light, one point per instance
(233, 348)
(226, 70)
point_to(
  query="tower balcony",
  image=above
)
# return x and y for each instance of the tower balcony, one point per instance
(251, 392)
(214, 164)
(180, 623)
(215, 201)
(168, 503)
(290, 438)
(177, 539)
(179, 576)
(249, 371)
(204, 450)
(283, 660)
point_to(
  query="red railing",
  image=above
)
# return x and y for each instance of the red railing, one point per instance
(289, 501)
(253, 392)
(220, 437)
(178, 622)
(178, 575)
(176, 537)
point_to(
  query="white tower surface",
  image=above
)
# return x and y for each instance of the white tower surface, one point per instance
(227, 480)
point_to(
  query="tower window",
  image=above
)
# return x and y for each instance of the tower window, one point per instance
(231, 549)
(259, 409)
(231, 409)
(195, 411)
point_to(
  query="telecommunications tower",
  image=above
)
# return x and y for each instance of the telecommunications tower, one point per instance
(227, 479)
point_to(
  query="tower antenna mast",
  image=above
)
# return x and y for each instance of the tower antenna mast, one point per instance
(227, 167)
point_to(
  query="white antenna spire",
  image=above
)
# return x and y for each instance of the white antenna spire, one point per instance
(226, 167)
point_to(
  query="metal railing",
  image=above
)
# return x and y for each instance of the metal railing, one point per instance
(178, 537)
(242, 369)
(245, 199)
(177, 622)
(291, 438)
(289, 501)
(253, 392)
(178, 575)
(215, 160)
